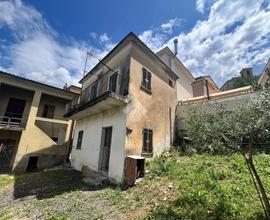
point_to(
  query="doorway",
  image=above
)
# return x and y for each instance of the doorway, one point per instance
(105, 151)
(7, 150)
(32, 164)
(15, 108)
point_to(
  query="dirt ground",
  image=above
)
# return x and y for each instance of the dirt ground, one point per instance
(61, 194)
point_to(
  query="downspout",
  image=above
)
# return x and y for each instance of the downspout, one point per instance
(207, 90)
(70, 140)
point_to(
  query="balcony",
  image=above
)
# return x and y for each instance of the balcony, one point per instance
(12, 123)
(108, 91)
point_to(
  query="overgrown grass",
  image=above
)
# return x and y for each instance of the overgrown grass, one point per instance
(177, 187)
(6, 180)
(210, 187)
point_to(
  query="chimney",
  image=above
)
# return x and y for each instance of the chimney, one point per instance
(175, 46)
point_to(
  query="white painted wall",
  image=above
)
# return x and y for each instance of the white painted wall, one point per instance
(91, 143)
(183, 84)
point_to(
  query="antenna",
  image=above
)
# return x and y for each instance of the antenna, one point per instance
(85, 65)
(88, 55)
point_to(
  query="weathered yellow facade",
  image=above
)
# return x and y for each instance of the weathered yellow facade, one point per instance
(155, 111)
(34, 135)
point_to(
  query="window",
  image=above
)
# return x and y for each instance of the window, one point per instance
(170, 83)
(79, 142)
(48, 111)
(147, 141)
(146, 79)
(113, 82)
(93, 93)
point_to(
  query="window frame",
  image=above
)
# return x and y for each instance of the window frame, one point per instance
(146, 83)
(47, 115)
(116, 83)
(147, 148)
(91, 97)
(79, 140)
(170, 82)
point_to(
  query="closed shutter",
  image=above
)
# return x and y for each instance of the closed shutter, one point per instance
(147, 141)
(79, 142)
(113, 82)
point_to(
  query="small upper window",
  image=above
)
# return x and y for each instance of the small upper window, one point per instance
(146, 79)
(93, 93)
(170, 83)
(113, 82)
(147, 141)
(79, 141)
(48, 111)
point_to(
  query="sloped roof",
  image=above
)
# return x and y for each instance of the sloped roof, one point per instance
(130, 37)
(168, 51)
(209, 79)
(35, 83)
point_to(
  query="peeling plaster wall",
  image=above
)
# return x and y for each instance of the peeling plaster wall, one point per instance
(92, 126)
(149, 110)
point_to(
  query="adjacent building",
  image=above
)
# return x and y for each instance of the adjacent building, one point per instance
(185, 79)
(125, 112)
(204, 86)
(33, 132)
(264, 78)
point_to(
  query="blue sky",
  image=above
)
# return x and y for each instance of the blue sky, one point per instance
(48, 40)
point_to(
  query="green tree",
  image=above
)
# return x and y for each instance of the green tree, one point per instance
(242, 129)
(238, 82)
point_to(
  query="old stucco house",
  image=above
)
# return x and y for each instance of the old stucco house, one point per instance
(33, 132)
(186, 85)
(126, 110)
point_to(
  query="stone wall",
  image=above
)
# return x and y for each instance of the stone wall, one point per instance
(230, 103)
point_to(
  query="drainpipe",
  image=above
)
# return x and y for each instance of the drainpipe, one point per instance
(70, 140)
(207, 90)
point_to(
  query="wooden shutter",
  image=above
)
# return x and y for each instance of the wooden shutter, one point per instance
(93, 93)
(144, 77)
(149, 76)
(150, 141)
(48, 111)
(147, 141)
(113, 82)
(79, 142)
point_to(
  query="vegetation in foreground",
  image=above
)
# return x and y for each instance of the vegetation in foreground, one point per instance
(177, 187)
(244, 129)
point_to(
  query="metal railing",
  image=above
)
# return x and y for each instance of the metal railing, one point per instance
(11, 122)
(105, 83)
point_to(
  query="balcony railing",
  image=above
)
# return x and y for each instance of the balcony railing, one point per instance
(108, 82)
(11, 123)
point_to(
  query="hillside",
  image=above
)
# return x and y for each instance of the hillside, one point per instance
(237, 82)
(177, 187)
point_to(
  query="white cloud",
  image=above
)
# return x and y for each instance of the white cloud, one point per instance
(167, 28)
(93, 35)
(235, 35)
(104, 38)
(157, 37)
(200, 5)
(37, 52)
(152, 39)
